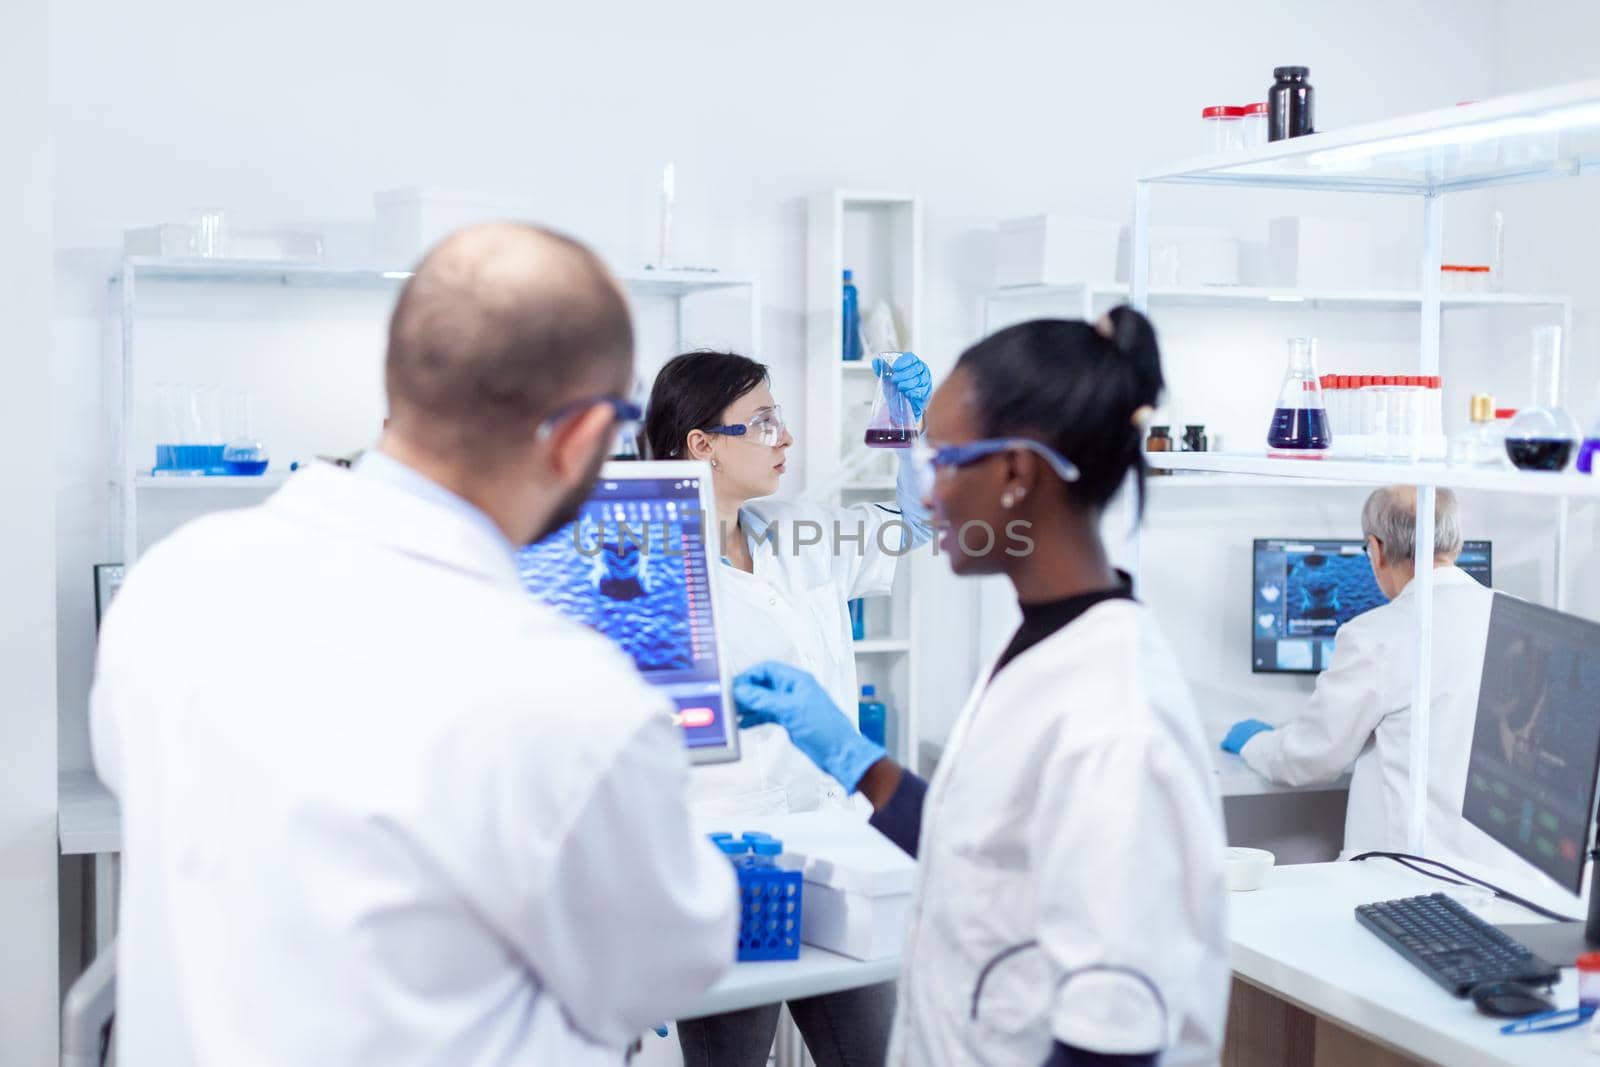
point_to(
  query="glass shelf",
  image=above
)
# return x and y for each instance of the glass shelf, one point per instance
(664, 284)
(1551, 133)
(1256, 296)
(1359, 472)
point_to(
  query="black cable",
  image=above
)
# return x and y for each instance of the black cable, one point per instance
(1402, 857)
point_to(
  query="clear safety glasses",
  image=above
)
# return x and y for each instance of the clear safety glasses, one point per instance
(765, 428)
(626, 413)
(927, 461)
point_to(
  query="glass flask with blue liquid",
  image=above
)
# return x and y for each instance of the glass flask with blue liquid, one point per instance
(1300, 421)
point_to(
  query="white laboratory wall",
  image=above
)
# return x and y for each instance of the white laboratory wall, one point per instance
(28, 988)
(299, 110)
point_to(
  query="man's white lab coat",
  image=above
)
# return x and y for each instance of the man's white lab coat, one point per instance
(1360, 713)
(380, 807)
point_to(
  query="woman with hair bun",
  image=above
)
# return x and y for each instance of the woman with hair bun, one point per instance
(1070, 909)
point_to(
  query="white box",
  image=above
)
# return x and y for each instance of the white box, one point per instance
(411, 221)
(1312, 253)
(177, 239)
(857, 896)
(1193, 256)
(1055, 250)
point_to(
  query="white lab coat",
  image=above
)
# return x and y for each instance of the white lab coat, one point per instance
(1360, 713)
(793, 609)
(380, 807)
(1071, 860)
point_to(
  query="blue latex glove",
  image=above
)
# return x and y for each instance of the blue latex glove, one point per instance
(1241, 732)
(912, 377)
(788, 696)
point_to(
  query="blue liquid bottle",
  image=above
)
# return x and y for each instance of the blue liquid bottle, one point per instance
(1300, 421)
(872, 716)
(852, 320)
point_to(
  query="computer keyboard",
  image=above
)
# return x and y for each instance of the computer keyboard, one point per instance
(1450, 944)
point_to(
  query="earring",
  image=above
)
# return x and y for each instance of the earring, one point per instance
(1007, 500)
(715, 464)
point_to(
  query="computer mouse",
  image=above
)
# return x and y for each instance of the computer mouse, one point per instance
(1509, 1000)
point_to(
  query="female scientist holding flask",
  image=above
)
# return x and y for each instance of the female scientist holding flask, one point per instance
(790, 569)
(1070, 909)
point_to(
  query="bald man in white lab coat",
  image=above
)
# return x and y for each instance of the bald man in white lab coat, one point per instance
(1360, 712)
(379, 806)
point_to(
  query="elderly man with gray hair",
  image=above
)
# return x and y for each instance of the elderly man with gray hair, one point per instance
(1359, 716)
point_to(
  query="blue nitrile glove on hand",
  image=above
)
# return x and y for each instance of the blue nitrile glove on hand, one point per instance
(788, 696)
(912, 377)
(1241, 732)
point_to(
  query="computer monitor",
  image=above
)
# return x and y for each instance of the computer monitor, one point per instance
(1304, 590)
(636, 566)
(1535, 752)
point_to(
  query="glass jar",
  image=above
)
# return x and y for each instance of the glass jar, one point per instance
(1194, 437)
(1159, 440)
(1224, 128)
(1542, 439)
(1482, 444)
(1255, 125)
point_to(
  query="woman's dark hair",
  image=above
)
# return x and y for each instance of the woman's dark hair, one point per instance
(691, 393)
(1077, 388)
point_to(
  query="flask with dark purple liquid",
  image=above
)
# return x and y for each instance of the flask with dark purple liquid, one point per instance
(892, 423)
(1300, 422)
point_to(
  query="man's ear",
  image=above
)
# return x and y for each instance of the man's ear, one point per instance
(577, 440)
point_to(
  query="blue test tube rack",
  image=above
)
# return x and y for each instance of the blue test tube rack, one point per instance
(769, 898)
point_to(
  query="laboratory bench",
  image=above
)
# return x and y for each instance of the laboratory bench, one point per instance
(1312, 986)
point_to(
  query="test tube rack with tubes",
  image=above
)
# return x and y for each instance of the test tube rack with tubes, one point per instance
(769, 897)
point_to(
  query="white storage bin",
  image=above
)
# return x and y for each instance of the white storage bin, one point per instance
(179, 239)
(1312, 253)
(411, 221)
(1189, 256)
(1056, 250)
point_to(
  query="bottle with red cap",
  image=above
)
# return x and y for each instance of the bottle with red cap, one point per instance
(1224, 127)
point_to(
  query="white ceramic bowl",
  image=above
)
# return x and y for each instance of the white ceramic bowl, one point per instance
(1247, 868)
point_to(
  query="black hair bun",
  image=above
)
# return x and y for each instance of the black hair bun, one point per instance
(1134, 339)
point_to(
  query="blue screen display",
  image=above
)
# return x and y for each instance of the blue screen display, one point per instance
(1305, 590)
(633, 566)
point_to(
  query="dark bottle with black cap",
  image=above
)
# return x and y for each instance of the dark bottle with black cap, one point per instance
(1289, 104)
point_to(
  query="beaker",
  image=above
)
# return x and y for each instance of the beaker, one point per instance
(1300, 422)
(892, 423)
(242, 454)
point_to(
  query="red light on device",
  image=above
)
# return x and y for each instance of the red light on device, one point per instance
(697, 717)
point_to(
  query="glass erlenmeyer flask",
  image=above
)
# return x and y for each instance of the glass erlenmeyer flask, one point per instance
(1300, 422)
(892, 423)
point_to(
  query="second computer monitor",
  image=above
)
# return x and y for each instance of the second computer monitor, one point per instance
(1304, 590)
(1536, 743)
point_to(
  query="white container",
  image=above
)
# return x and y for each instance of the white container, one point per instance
(1246, 868)
(411, 221)
(1313, 253)
(857, 897)
(1255, 125)
(1190, 256)
(183, 240)
(1224, 126)
(1055, 250)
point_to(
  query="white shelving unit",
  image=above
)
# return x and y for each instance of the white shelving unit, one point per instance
(1088, 300)
(878, 235)
(131, 480)
(1522, 138)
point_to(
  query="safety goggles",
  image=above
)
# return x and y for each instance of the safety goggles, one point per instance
(927, 461)
(765, 428)
(626, 413)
